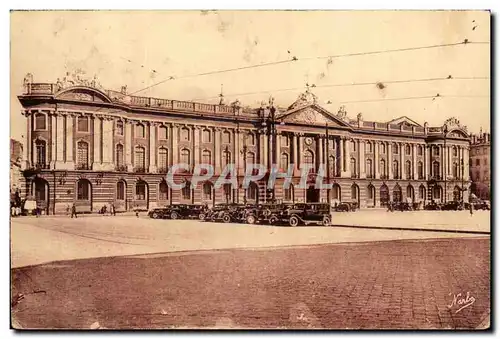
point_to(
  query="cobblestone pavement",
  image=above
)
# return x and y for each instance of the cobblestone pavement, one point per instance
(404, 284)
(41, 240)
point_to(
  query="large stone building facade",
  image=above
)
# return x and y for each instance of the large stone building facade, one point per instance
(480, 165)
(90, 146)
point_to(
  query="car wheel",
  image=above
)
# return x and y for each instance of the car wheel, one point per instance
(201, 216)
(174, 215)
(155, 215)
(326, 221)
(294, 221)
(250, 219)
(226, 218)
(273, 220)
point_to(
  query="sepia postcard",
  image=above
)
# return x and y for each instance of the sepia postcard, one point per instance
(210, 169)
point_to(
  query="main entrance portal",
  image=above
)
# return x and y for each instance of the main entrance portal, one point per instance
(312, 194)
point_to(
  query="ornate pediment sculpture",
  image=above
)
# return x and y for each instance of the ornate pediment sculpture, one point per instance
(77, 78)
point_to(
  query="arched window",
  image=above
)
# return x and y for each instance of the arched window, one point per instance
(40, 122)
(284, 161)
(206, 136)
(288, 193)
(370, 192)
(421, 192)
(309, 157)
(435, 170)
(369, 168)
(455, 170)
(120, 190)
(408, 150)
(206, 157)
(395, 169)
(384, 195)
(332, 162)
(185, 135)
(140, 190)
(435, 150)
(353, 167)
(353, 146)
(408, 168)
(250, 139)
(140, 158)
(140, 131)
(162, 159)
(354, 192)
(186, 191)
(383, 169)
(395, 148)
(227, 192)
(119, 156)
(185, 156)
(250, 158)
(420, 170)
(82, 156)
(83, 189)
(162, 132)
(41, 152)
(207, 190)
(82, 124)
(419, 150)
(253, 191)
(226, 137)
(436, 193)
(226, 158)
(382, 148)
(163, 191)
(119, 127)
(368, 147)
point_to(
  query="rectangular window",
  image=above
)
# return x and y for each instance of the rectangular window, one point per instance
(83, 124)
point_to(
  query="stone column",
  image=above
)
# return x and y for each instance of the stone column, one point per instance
(299, 151)
(342, 157)
(107, 144)
(376, 160)
(70, 162)
(389, 161)
(217, 150)
(236, 150)
(27, 143)
(362, 160)
(265, 147)
(402, 164)
(127, 137)
(427, 167)
(60, 141)
(466, 164)
(442, 162)
(320, 161)
(152, 148)
(53, 144)
(97, 160)
(175, 148)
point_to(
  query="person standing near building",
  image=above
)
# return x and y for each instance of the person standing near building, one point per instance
(471, 208)
(73, 211)
(113, 210)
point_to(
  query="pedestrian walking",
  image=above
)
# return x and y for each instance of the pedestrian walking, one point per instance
(113, 210)
(471, 208)
(73, 211)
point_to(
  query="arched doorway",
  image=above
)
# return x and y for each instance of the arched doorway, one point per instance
(336, 194)
(437, 193)
(163, 191)
(84, 195)
(228, 196)
(312, 194)
(370, 196)
(384, 195)
(457, 194)
(208, 192)
(121, 195)
(422, 193)
(253, 193)
(42, 195)
(397, 194)
(355, 193)
(289, 194)
(410, 193)
(141, 195)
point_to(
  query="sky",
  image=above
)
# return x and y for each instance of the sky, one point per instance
(139, 49)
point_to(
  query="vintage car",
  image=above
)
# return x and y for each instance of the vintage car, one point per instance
(226, 212)
(402, 206)
(343, 207)
(188, 211)
(452, 206)
(432, 206)
(482, 205)
(306, 214)
(159, 212)
(267, 213)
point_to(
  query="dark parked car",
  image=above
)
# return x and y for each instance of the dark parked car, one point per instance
(343, 207)
(268, 213)
(159, 212)
(179, 211)
(306, 214)
(482, 205)
(432, 206)
(230, 212)
(402, 206)
(452, 206)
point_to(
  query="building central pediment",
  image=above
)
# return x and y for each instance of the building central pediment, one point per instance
(312, 115)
